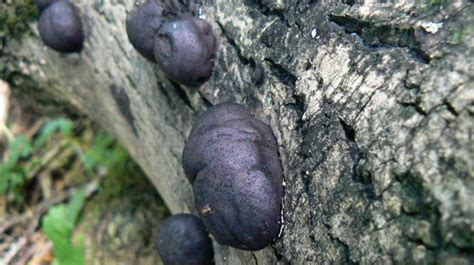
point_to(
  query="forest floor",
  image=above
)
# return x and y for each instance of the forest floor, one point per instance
(69, 193)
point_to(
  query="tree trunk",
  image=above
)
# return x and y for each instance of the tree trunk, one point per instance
(372, 105)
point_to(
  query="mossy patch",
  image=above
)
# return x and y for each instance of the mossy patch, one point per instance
(462, 35)
(15, 16)
(431, 3)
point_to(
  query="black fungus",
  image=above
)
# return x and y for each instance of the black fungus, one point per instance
(184, 49)
(165, 33)
(43, 4)
(232, 159)
(142, 24)
(183, 239)
(60, 27)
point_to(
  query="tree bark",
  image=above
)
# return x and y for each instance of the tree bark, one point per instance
(372, 105)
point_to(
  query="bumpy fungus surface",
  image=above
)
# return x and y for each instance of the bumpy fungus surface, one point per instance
(232, 159)
(142, 24)
(43, 4)
(60, 27)
(184, 49)
(183, 239)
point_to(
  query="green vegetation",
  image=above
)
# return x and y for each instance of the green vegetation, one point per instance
(69, 155)
(14, 17)
(29, 155)
(59, 225)
(22, 161)
(461, 35)
(432, 3)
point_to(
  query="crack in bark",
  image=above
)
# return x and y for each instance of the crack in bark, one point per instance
(268, 11)
(357, 155)
(244, 60)
(206, 102)
(342, 244)
(383, 35)
(285, 76)
(182, 94)
(450, 108)
(415, 106)
(255, 258)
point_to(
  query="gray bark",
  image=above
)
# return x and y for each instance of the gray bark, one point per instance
(372, 105)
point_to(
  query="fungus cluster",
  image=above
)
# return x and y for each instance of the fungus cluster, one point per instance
(183, 239)
(183, 45)
(60, 25)
(231, 158)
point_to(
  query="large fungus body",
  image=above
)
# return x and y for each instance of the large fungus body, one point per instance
(183, 240)
(232, 159)
(60, 27)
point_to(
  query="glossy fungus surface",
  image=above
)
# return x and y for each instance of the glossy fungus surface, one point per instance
(142, 24)
(60, 27)
(232, 159)
(184, 49)
(183, 239)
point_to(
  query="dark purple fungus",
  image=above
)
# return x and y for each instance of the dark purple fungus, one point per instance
(184, 49)
(183, 239)
(43, 4)
(232, 159)
(142, 24)
(60, 27)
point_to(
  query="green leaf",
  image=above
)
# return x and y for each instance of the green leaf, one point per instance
(63, 126)
(12, 174)
(75, 206)
(21, 147)
(101, 153)
(10, 178)
(4, 171)
(59, 224)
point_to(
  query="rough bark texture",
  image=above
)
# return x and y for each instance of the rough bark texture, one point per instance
(372, 105)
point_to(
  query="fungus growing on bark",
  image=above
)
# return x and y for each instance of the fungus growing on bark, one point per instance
(165, 33)
(183, 239)
(60, 27)
(184, 50)
(142, 24)
(232, 159)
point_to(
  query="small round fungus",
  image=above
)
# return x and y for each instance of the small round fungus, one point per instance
(43, 4)
(183, 239)
(142, 24)
(60, 27)
(232, 159)
(184, 49)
